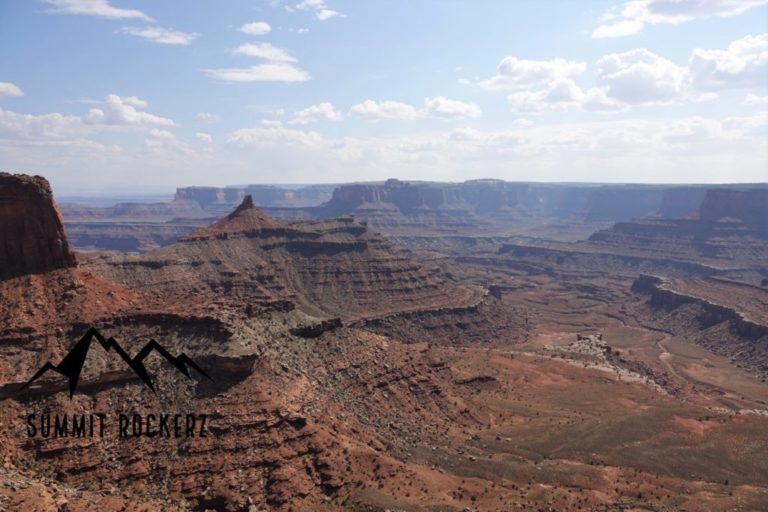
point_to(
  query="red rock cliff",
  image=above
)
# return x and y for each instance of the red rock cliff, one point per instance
(32, 236)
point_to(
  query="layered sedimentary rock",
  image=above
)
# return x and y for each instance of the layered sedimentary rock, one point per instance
(263, 195)
(488, 197)
(140, 211)
(330, 267)
(32, 237)
(748, 206)
(128, 236)
(437, 409)
(729, 318)
(410, 211)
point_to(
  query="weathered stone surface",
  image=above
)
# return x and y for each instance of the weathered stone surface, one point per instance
(32, 238)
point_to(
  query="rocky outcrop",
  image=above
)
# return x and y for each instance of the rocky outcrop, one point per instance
(722, 328)
(32, 238)
(486, 207)
(327, 268)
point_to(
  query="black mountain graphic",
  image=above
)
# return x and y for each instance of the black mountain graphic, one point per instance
(72, 364)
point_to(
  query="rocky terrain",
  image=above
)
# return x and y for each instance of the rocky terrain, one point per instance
(31, 235)
(474, 372)
(212, 198)
(415, 214)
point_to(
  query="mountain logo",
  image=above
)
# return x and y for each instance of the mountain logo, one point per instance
(72, 364)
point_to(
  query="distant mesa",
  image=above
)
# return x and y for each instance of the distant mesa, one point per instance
(747, 206)
(221, 199)
(32, 238)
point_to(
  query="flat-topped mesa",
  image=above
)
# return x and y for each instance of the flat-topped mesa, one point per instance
(32, 238)
(748, 206)
(245, 220)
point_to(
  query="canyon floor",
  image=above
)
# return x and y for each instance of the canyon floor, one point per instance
(388, 365)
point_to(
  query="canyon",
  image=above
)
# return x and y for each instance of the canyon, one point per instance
(482, 346)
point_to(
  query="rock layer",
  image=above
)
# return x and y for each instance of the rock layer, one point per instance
(32, 237)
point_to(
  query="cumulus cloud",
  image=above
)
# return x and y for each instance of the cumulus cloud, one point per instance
(634, 15)
(271, 72)
(513, 72)
(370, 110)
(257, 28)
(641, 76)
(166, 144)
(114, 113)
(264, 51)
(99, 8)
(274, 136)
(754, 99)
(124, 111)
(564, 94)
(30, 127)
(204, 137)
(319, 8)
(161, 35)
(441, 106)
(321, 112)
(10, 89)
(743, 64)
(634, 77)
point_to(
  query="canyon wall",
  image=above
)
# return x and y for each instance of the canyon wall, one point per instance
(32, 237)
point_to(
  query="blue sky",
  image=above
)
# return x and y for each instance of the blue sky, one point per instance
(144, 96)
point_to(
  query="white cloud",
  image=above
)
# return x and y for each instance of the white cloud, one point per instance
(641, 76)
(634, 15)
(754, 99)
(279, 67)
(206, 117)
(272, 72)
(370, 110)
(264, 51)
(168, 145)
(119, 111)
(99, 8)
(441, 106)
(319, 7)
(321, 112)
(564, 94)
(204, 137)
(161, 35)
(29, 127)
(10, 89)
(257, 28)
(618, 29)
(115, 113)
(514, 72)
(299, 30)
(743, 64)
(274, 136)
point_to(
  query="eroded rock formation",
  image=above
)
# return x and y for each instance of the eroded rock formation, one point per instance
(32, 237)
